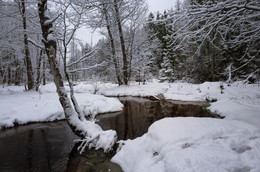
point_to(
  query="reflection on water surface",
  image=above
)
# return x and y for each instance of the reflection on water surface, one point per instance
(139, 113)
(50, 146)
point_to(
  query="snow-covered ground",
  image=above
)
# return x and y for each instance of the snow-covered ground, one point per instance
(193, 144)
(237, 101)
(171, 144)
(231, 144)
(20, 107)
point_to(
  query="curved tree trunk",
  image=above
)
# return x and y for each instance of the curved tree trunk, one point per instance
(50, 49)
(93, 135)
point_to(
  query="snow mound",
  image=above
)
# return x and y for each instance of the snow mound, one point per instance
(192, 144)
(151, 89)
(25, 107)
(97, 104)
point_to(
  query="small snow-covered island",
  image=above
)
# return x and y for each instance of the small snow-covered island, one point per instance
(174, 90)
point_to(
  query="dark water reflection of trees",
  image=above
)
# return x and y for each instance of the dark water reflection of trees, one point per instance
(139, 113)
(36, 147)
(50, 146)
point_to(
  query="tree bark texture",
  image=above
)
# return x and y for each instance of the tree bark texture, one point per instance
(38, 79)
(50, 49)
(92, 134)
(44, 69)
(28, 62)
(125, 68)
(112, 45)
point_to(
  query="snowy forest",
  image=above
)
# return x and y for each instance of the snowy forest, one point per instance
(197, 41)
(177, 90)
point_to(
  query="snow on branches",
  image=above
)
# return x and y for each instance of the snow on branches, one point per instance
(213, 34)
(92, 135)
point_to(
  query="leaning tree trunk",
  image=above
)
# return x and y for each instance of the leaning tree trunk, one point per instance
(92, 134)
(50, 49)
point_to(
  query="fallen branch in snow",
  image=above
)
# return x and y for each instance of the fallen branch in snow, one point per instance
(11, 91)
(86, 142)
(96, 137)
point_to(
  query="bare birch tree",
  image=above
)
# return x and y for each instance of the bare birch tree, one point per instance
(92, 134)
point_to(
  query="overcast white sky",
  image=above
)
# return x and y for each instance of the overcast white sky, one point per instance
(154, 5)
(160, 5)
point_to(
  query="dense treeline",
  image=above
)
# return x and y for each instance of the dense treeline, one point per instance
(20, 60)
(209, 41)
(198, 41)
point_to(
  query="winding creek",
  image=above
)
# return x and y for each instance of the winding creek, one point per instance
(50, 146)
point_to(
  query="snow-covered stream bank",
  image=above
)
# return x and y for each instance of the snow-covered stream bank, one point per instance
(236, 102)
(20, 107)
(197, 144)
(171, 144)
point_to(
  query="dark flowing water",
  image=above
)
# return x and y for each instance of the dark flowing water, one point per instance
(50, 146)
